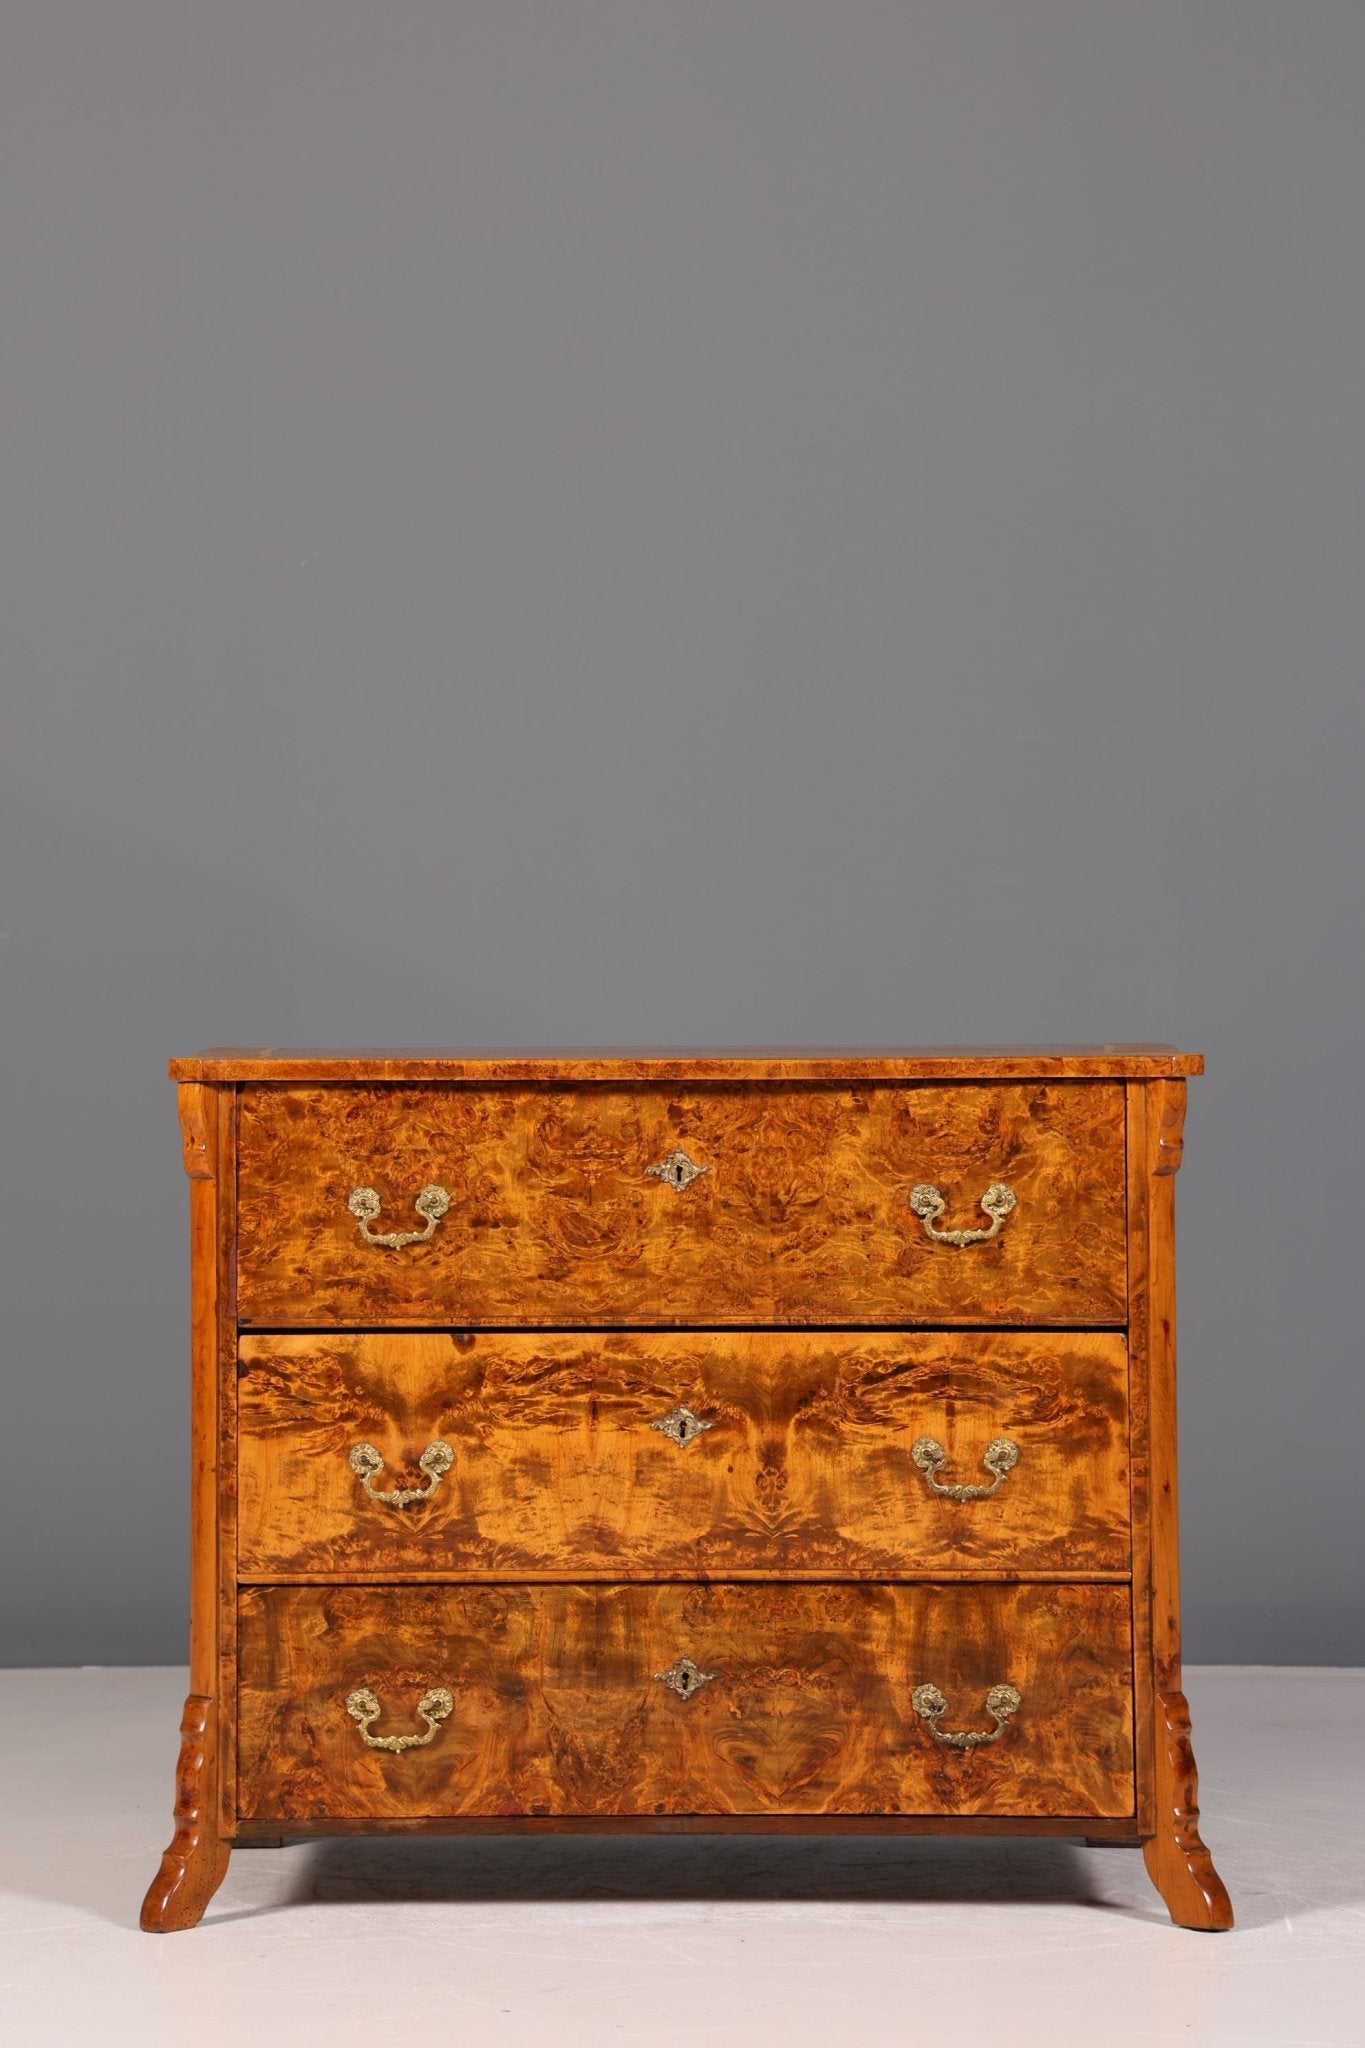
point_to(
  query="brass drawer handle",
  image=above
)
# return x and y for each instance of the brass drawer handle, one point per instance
(928, 1204)
(364, 1708)
(364, 1204)
(436, 1460)
(1000, 1456)
(684, 1678)
(1002, 1701)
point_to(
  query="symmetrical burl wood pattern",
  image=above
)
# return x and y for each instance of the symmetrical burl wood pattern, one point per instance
(193, 1867)
(801, 1216)
(803, 1463)
(808, 1709)
(1177, 1862)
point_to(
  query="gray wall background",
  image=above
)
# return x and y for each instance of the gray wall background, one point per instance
(693, 522)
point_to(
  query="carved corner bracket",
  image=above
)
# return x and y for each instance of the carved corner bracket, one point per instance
(1169, 1097)
(195, 1103)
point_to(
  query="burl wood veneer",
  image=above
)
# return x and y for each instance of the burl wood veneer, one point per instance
(647, 1455)
(798, 1214)
(630, 1440)
(556, 1707)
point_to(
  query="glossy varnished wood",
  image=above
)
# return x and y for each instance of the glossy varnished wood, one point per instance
(557, 1709)
(1177, 1859)
(1095, 1832)
(193, 1865)
(639, 1063)
(804, 1465)
(802, 1214)
(794, 1548)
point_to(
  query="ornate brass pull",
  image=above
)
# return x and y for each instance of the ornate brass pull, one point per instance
(928, 1204)
(1002, 1702)
(684, 1678)
(1000, 1456)
(681, 1425)
(436, 1460)
(364, 1708)
(364, 1204)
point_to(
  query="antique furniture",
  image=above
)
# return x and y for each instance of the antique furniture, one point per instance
(756, 1441)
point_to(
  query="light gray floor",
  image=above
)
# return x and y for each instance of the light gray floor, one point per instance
(580, 1943)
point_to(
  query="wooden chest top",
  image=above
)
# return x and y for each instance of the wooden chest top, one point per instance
(669, 1063)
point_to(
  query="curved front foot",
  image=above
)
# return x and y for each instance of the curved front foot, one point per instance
(1177, 1862)
(194, 1865)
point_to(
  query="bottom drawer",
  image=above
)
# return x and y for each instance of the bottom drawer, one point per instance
(407, 1702)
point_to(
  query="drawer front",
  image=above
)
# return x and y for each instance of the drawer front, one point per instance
(608, 1204)
(814, 1699)
(525, 1456)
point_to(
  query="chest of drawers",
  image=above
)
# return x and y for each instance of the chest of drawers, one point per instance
(621, 1441)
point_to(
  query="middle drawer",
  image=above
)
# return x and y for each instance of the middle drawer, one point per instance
(662, 1453)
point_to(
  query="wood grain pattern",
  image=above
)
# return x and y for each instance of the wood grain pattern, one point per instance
(676, 1063)
(805, 1466)
(194, 1864)
(1177, 1861)
(223, 1618)
(793, 1549)
(1109, 1834)
(802, 1216)
(1139, 1463)
(557, 1710)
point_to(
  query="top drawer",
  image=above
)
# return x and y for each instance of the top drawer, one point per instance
(710, 1204)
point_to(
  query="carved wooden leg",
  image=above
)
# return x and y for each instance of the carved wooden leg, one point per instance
(194, 1865)
(1177, 1862)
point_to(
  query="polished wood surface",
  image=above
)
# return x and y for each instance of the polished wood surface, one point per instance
(196, 1860)
(791, 1298)
(802, 1214)
(193, 1865)
(654, 1063)
(557, 1709)
(1096, 1832)
(1177, 1860)
(804, 1464)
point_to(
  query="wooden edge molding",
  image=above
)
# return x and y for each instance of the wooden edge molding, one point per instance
(193, 1866)
(792, 1063)
(263, 1831)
